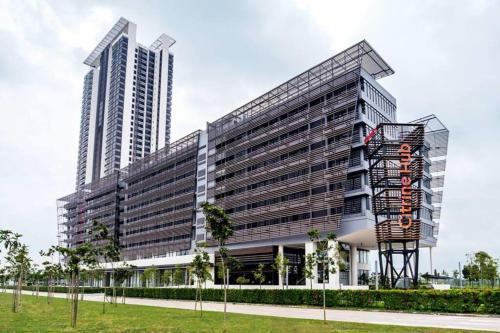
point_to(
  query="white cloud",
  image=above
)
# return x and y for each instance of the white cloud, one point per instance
(343, 22)
(40, 79)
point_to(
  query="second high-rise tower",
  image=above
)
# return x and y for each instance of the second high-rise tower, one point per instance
(126, 104)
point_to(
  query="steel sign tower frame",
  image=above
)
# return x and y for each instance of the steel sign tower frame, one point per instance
(396, 170)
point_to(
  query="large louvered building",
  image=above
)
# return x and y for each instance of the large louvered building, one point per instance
(291, 160)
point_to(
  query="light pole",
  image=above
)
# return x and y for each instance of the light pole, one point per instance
(460, 273)
(481, 274)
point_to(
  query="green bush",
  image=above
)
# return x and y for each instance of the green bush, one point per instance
(457, 301)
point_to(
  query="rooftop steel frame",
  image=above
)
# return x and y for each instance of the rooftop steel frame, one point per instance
(360, 53)
(115, 31)
(164, 39)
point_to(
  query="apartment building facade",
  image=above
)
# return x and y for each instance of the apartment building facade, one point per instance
(126, 103)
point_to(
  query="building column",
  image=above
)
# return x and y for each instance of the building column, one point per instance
(334, 279)
(354, 264)
(282, 253)
(309, 249)
(430, 261)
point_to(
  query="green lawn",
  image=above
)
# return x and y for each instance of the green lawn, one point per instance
(37, 316)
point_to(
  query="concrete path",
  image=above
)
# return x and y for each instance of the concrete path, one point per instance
(469, 322)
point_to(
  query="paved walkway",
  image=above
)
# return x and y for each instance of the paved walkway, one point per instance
(470, 322)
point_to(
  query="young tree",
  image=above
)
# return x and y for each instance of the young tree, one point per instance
(84, 255)
(221, 228)
(242, 280)
(322, 257)
(167, 277)
(280, 266)
(233, 265)
(122, 275)
(52, 273)
(259, 275)
(109, 250)
(179, 276)
(481, 266)
(84, 278)
(200, 270)
(35, 276)
(309, 268)
(190, 278)
(149, 275)
(4, 277)
(220, 274)
(17, 263)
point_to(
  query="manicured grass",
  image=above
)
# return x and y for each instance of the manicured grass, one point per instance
(38, 316)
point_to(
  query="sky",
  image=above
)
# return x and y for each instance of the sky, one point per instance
(445, 56)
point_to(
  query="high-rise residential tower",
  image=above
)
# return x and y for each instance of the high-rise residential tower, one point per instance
(127, 102)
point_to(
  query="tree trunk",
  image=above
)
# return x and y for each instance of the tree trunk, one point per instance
(14, 298)
(74, 299)
(196, 299)
(104, 302)
(19, 290)
(324, 297)
(114, 285)
(201, 301)
(52, 283)
(48, 290)
(68, 288)
(226, 282)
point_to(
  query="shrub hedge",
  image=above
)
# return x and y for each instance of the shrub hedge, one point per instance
(60, 289)
(457, 301)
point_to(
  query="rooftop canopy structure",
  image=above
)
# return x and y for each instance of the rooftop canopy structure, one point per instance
(360, 54)
(117, 29)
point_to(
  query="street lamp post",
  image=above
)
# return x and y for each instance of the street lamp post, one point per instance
(460, 274)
